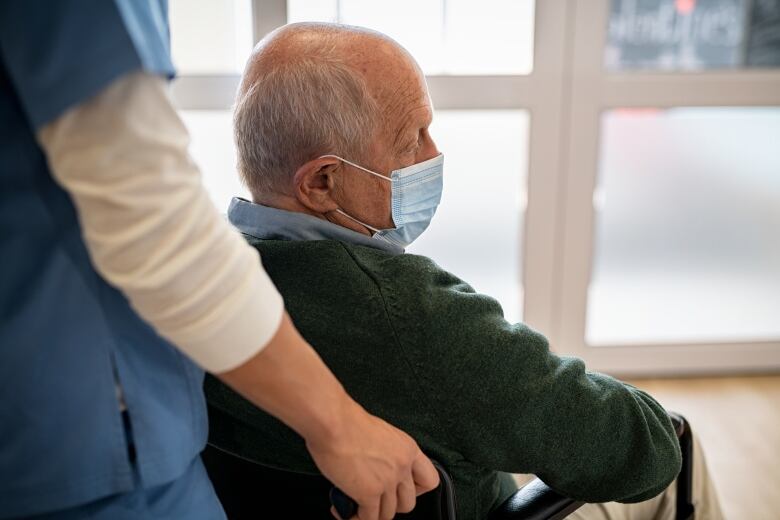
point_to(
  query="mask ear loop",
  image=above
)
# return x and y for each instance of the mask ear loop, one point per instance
(338, 210)
(353, 219)
(356, 166)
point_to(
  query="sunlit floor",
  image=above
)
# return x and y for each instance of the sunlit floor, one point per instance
(738, 422)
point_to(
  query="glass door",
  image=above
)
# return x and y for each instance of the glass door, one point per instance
(613, 166)
(670, 259)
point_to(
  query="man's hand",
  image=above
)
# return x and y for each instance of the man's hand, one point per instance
(377, 465)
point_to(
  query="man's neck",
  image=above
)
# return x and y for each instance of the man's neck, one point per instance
(285, 202)
(289, 203)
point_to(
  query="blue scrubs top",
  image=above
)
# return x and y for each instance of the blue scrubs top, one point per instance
(66, 335)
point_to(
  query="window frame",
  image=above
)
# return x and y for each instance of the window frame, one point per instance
(565, 95)
(595, 89)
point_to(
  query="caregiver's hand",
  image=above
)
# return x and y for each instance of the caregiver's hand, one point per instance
(377, 465)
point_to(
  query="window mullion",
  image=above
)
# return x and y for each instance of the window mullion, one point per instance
(732, 88)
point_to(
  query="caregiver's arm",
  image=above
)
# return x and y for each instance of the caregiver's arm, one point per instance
(152, 231)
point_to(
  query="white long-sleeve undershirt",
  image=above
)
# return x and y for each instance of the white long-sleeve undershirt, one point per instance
(152, 230)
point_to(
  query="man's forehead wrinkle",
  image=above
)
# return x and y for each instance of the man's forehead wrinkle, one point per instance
(389, 76)
(396, 100)
(410, 121)
(400, 106)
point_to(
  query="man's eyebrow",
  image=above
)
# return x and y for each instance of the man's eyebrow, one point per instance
(408, 138)
(402, 136)
(405, 141)
(406, 133)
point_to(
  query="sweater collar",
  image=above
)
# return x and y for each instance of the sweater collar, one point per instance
(268, 223)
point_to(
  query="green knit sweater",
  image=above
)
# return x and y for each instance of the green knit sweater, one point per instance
(418, 347)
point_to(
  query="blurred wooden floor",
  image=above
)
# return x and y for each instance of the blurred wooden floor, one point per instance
(738, 422)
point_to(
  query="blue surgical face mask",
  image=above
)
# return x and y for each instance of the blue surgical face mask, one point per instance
(416, 193)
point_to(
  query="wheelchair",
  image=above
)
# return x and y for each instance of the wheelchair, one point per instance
(249, 491)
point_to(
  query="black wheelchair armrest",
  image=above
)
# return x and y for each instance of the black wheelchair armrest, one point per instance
(685, 507)
(535, 501)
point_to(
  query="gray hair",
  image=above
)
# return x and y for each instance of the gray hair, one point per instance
(295, 111)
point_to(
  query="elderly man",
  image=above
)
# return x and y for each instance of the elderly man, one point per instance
(331, 126)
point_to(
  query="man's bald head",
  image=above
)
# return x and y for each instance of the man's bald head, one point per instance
(311, 89)
(368, 52)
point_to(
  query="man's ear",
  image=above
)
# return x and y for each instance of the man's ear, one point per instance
(313, 184)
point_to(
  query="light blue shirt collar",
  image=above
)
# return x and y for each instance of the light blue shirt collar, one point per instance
(268, 223)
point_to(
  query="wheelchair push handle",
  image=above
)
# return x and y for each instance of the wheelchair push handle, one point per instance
(443, 497)
(345, 506)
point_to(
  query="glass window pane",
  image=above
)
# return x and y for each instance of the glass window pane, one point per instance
(477, 231)
(693, 34)
(209, 37)
(444, 36)
(687, 243)
(213, 150)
